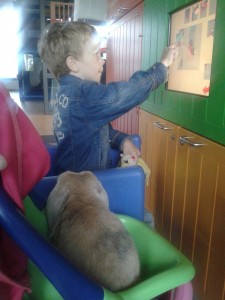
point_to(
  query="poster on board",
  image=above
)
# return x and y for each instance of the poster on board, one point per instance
(192, 30)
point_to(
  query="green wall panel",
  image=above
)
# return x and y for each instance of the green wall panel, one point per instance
(203, 115)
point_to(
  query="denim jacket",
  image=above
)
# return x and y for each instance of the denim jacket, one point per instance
(83, 112)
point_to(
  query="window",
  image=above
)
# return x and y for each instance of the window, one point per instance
(9, 45)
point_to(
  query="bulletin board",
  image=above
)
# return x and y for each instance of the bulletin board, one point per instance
(192, 30)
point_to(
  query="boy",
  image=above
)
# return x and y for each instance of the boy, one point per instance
(84, 108)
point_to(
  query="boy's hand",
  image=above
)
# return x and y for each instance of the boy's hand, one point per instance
(169, 55)
(130, 148)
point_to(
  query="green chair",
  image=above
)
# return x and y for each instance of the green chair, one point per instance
(52, 277)
(163, 267)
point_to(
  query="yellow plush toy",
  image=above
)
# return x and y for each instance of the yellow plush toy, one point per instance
(132, 160)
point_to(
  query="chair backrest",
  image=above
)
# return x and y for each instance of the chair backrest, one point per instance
(163, 266)
(125, 187)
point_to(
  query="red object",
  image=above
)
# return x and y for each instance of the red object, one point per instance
(27, 162)
(206, 90)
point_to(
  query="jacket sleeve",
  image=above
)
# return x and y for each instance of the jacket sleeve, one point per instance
(108, 102)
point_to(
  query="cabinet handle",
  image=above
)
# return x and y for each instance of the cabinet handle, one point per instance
(186, 140)
(162, 126)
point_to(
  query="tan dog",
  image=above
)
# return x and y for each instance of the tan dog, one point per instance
(89, 235)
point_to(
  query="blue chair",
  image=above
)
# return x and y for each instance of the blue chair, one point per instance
(52, 277)
(114, 154)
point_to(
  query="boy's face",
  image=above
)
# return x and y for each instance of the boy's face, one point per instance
(90, 65)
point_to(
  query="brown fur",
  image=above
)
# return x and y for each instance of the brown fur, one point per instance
(89, 235)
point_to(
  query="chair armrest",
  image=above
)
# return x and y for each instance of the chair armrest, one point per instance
(45, 255)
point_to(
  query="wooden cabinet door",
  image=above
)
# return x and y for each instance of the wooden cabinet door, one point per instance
(149, 154)
(187, 196)
(159, 151)
(124, 58)
(198, 213)
(165, 141)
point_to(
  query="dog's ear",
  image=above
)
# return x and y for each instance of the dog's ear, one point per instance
(54, 229)
(57, 197)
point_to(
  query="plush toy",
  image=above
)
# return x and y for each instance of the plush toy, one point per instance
(128, 160)
(132, 160)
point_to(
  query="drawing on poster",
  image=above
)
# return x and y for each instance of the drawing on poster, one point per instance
(203, 8)
(192, 30)
(189, 42)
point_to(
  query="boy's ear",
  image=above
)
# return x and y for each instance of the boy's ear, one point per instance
(72, 64)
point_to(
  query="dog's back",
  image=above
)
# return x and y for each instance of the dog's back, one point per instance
(91, 236)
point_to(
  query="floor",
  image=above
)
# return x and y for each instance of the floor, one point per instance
(35, 111)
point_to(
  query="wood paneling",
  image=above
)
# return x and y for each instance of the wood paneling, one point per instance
(124, 58)
(187, 196)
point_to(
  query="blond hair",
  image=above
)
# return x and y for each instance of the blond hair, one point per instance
(59, 40)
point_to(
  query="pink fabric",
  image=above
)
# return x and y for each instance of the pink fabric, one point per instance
(13, 277)
(27, 158)
(27, 162)
(182, 292)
